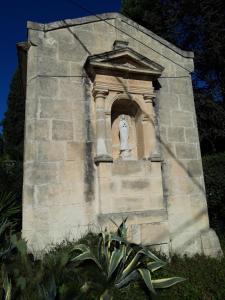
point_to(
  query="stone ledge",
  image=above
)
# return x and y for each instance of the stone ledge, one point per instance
(148, 213)
(103, 158)
(156, 158)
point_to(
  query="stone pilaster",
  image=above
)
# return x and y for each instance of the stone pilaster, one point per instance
(154, 154)
(102, 154)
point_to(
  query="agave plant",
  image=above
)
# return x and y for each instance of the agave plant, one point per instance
(123, 262)
(9, 207)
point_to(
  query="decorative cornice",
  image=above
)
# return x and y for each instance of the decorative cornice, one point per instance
(124, 61)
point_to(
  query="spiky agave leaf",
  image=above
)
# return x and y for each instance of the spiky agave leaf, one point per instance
(155, 265)
(126, 280)
(166, 282)
(135, 262)
(122, 229)
(146, 276)
(7, 286)
(115, 259)
(9, 206)
(85, 255)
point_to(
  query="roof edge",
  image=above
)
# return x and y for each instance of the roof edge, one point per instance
(106, 16)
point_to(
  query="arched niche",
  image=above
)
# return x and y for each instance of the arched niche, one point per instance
(133, 116)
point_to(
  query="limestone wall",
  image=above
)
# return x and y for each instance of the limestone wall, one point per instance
(59, 195)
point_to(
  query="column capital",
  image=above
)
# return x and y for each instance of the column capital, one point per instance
(98, 92)
(149, 98)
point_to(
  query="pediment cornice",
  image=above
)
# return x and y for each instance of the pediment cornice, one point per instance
(124, 60)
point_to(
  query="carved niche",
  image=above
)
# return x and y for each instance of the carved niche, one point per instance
(124, 96)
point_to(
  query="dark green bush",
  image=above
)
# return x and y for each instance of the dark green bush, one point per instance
(214, 173)
(54, 277)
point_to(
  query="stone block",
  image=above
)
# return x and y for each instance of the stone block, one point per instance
(48, 46)
(139, 184)
(28, 195)
(182, 119)
(168, 101)
(71, 172)
(69, 89)
(163, 134)
(156, 201)
(47, 87)
(165, 117)
(156, 185)
(199, 211)
(180, 86)
(186, 185)
(41, 173)
(51, 151)
(62, 130)
(55, 109)
(31, 108)
(175, 134)
(168, 150)
(187, 103)
(75, 151)
(130, 167)
(191, 135)
(186, 243)
(186, 151)
(37, 130)
(134, 233)
(49, 66)
(154, 233)
(164, 82)
(30, 151)
(76, 49)
(57, 194)
(194, 168)
(211, 244)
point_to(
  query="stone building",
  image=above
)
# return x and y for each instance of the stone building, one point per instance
(110, 133)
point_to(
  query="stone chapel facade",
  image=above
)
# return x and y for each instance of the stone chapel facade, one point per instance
(111, 132)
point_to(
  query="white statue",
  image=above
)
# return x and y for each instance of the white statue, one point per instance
(124, 135)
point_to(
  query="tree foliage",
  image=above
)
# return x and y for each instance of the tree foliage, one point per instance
(214, 170)
(13, 122)
(197, 26)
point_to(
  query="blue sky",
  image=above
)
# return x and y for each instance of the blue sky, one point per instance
(13, 17)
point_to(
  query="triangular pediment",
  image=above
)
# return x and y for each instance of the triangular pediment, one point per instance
(124, 60)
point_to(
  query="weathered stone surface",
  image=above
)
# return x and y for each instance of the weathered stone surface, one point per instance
(187, 103)
(130, 167)
(72, 104)
(176, 134)
(37, 130)
(191, 135)
(135, 185)
(55, 109)
(183, 119)
(186, 151)
(52, 67)
(194, 167)
(47, 87)
(62, 130)
(154, 233)
(74, 151)
(180, 86)
(211, 244)
(41, 173)
(51, 151)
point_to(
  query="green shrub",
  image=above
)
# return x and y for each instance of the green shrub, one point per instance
(121, 263)
(57, 276)
(214, 170)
